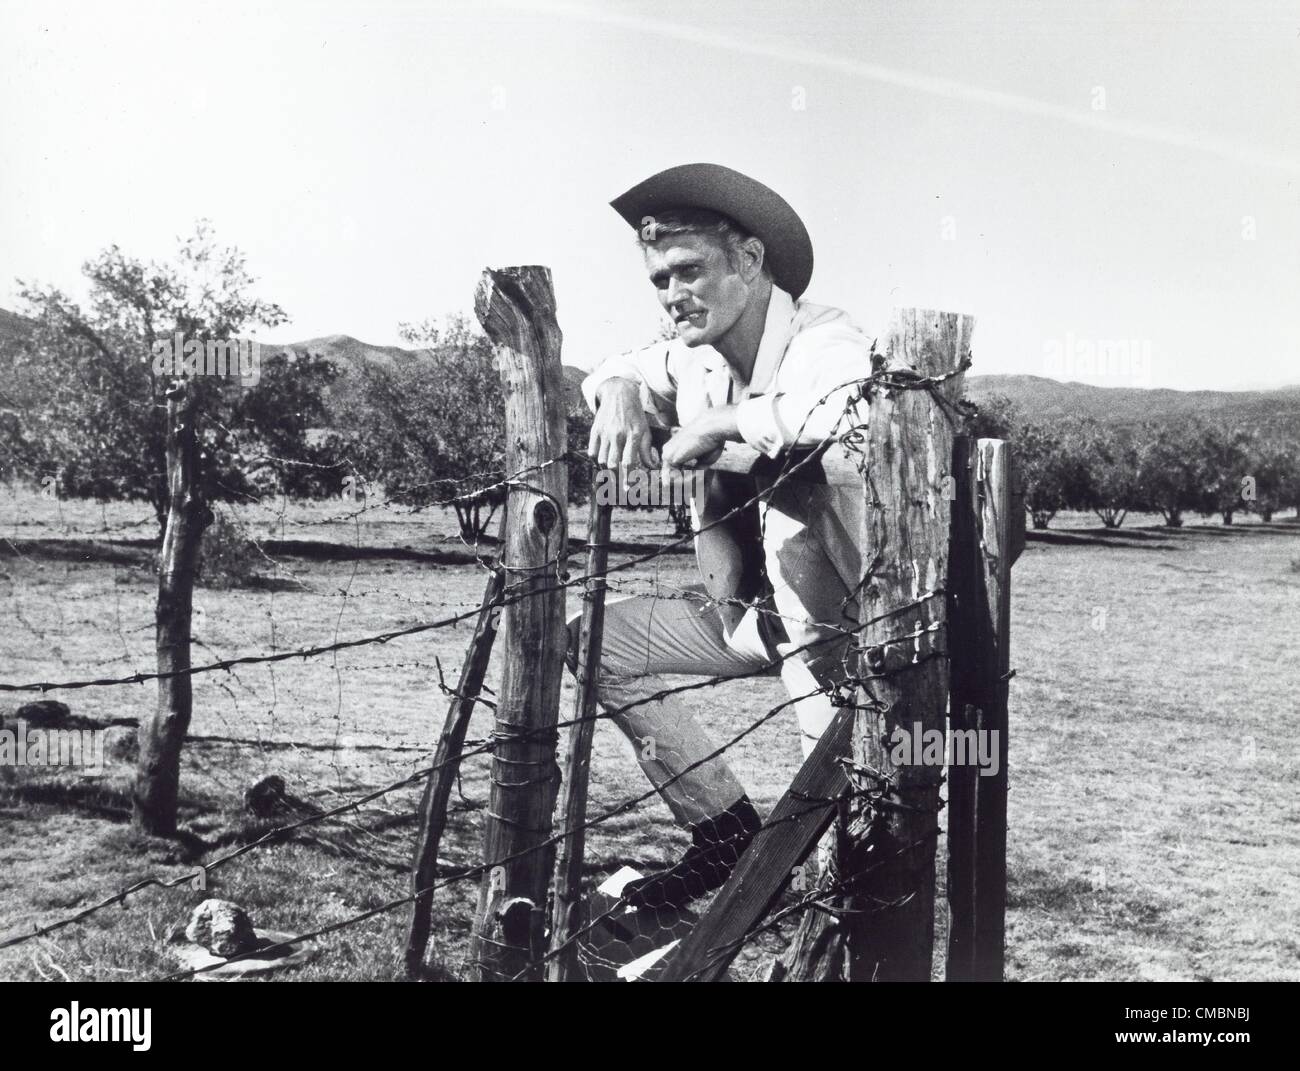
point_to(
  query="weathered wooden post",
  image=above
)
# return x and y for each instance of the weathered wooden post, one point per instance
(1002, 520)
(446, 759)
(516, 307)
(161, 737)
(568, 871)
(988, 535)
(909, 487)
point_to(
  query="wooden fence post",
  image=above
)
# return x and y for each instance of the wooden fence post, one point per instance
(988, 534)
(161, 737)
(516, 307)
(1001, 518)
(446, 766)
(967, 652)
(908, 486)
(568, 871)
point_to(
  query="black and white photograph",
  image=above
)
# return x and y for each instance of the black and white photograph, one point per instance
(650, 492)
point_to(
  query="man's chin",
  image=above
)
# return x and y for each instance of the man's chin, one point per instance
(693, 336)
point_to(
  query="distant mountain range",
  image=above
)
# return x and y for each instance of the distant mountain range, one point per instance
(1049, 399)
(1035, 396)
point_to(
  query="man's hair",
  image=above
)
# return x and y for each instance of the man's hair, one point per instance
(677, 221)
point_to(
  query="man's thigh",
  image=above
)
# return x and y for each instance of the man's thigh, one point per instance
(679, 631)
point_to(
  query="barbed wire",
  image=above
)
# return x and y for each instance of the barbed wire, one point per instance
(525, 588)
(280, 832)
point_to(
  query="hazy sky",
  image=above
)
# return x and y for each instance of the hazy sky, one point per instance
(1069, 173)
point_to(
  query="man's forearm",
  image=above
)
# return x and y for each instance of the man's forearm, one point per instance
(719, 422)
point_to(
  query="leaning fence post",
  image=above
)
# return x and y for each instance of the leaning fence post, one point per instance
(516, 307)
(446, 767)
(908, 487)
(568, 871)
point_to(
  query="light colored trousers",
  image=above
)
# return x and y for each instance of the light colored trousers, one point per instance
(647, 637)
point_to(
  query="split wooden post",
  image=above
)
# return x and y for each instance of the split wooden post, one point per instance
(446, 767)
(565, 920)
(516, 307)
(909, 488)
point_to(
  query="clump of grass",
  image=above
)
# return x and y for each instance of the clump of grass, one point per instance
(1295, 565)
(229, 556)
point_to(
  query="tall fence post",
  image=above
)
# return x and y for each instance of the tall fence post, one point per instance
(568, 871)
(1002, 517)
(516, 307)
(968, 652)
(908, 486)
(988, 534)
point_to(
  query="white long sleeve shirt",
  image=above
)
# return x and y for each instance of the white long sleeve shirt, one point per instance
(809, 363)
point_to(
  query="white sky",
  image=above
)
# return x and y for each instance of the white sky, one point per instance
(354, 151)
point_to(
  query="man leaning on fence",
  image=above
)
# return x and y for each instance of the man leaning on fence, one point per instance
(753, 363)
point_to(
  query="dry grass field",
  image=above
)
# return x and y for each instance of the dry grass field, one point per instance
(1155, 766)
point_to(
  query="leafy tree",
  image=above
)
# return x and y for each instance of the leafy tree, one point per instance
(1053, 473)
(1221, 464)
(271, 431)
(997, 417)
(1106, 461)
(110, 407)
(1170, 469)
(1273, 466)
(430, 424)
(89, 405)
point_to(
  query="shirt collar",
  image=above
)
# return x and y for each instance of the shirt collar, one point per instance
(771, 347)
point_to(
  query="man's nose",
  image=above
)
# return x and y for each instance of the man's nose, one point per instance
(678, 295)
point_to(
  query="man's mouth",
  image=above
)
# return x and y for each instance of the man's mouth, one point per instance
(695, 319)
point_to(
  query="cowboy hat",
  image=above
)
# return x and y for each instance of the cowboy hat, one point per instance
(760, 211)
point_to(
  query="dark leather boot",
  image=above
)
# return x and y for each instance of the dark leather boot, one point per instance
(717, 844)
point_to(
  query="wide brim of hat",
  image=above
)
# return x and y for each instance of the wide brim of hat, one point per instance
(762, 212)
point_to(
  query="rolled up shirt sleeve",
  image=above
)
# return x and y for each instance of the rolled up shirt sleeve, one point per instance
(650, 368)
(819, 377)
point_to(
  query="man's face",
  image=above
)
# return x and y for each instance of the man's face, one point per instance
(701, 292)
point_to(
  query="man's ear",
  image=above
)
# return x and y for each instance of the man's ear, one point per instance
(751, 264)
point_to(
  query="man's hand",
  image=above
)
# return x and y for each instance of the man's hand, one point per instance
(620, 434)
(700, 442)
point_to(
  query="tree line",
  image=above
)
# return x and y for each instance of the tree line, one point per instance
(84, 406)
(1175, 468)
